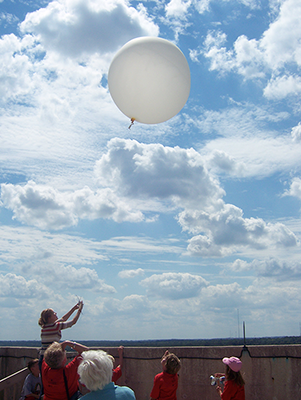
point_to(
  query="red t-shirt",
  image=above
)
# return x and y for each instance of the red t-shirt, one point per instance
(232, 391)
(53, 380)
(165, 386)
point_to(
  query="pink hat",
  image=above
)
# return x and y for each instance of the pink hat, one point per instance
(233, 362)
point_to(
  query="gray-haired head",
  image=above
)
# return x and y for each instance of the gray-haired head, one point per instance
(95, 370)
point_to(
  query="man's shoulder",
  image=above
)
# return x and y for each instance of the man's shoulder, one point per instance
(124, 392)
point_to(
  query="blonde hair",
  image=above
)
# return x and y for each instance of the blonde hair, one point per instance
(45, 314)
(54, 356)
(95, 370)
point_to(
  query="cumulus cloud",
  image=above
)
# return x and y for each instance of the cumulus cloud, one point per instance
(280, 270)
(128, 306)
(177, 8)
(278, 48)
(130, 273)
(224, 296)
(158, 172)
(136, 179)
(174, 285)
(226, 230)
(57, 64)
(47, 208)
(73, 278)
(16, 65)
(282, 86)
(12, 285)
(79, 27)
(295, 188)
(224, 163)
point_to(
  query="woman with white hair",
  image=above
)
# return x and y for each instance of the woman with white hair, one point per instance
(95, 373)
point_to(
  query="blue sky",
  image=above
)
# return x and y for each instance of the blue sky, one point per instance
(181, 229)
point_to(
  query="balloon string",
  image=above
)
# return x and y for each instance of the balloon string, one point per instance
(132, 122)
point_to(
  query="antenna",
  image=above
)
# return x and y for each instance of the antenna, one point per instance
(238, 330)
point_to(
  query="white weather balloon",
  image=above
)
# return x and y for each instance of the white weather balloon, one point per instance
(149, 80)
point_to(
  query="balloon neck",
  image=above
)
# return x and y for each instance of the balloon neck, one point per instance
(132, 122)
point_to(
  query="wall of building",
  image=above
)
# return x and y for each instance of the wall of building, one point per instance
(270, 372)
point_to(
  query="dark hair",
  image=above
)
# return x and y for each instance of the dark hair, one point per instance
(234, 376)
(45, 314)
(173, 364)
(31, 363)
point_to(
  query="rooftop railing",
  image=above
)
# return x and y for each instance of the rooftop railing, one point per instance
(270, 372)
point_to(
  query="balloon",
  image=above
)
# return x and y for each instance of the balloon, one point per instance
(149, 80)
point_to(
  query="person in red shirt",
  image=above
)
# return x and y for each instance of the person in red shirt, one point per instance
(166, 383)
(117, 372)
(57, 377)
(234, 388)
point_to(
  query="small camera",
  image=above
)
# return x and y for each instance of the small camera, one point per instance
(213, 380)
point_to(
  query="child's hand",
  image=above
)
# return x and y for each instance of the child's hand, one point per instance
(80, 305)
(219, 390)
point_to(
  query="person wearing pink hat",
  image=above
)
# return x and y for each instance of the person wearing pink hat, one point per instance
(234, 388)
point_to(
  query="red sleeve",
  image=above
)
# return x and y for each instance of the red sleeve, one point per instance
(156, 388)
(116, 374)
(72, 375)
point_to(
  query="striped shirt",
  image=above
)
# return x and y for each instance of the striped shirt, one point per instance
(52, 332)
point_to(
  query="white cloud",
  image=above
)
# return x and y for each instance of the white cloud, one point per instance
(201, 5)
(224, 163)
(16, 66)
(281, 41)
(47, 208)
(278, 50)
(225, 231)
(128, 306)
(174, 285)
(130, 273)
(133, 303)
(74, 28)
(72, 278)
(157, 172)
(240, 265)
(296, 133)
(177, 8)
(278, 269)
(295, 188)
(25, 247)
(223, 296)
(245, 146)
(281, 87)
(144, 176)
(16, 286)
(246, 57)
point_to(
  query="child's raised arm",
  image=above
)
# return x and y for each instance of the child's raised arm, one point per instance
(78, 306)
